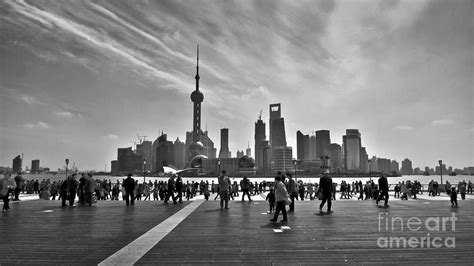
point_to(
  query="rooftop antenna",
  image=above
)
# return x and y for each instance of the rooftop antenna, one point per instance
(260, 116)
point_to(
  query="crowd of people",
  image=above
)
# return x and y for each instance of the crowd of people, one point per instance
(86, 190)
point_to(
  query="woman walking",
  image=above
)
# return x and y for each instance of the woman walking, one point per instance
(281, 196)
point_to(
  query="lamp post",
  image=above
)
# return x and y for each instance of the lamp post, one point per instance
(144, 169)
(67, 163)
(370, 170)
(218, 167)
(441, 170)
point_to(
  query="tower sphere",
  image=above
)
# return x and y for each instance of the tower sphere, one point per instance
(197, 96)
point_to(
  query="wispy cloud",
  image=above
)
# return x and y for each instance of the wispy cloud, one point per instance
(403, 127)
(31, 100)
(442, 122)
(67, 115)
(110, 137)
(98, 40)
(39, 125)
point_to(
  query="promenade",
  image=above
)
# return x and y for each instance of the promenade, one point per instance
(199, 232)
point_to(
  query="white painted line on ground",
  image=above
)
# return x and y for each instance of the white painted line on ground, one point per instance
(264, 213)
(277, 230)
(285, 228)
(134, 251)
(48, 211)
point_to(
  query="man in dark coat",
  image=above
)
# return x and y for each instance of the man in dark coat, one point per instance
(129, 185)
(68, 190)
(326, 187)
(20, 181)
(171, 190)
(383, 187)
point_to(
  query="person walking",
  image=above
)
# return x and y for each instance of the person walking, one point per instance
(281, 196)
(129, 186)
(383, 187)
(171, 190)
(89, 188)
(244, 185)
(292, 191)
(19, 181)
(7, 186)
(327, 189)
(224, 184)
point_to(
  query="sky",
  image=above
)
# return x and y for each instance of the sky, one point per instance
(79, 79)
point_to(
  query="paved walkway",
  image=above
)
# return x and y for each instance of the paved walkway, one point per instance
(199, 232)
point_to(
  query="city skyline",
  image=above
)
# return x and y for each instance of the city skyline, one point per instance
(81, 79)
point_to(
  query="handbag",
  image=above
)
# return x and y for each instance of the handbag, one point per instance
(319, 194)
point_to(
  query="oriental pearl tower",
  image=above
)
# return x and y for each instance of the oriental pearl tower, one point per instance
(196, 147)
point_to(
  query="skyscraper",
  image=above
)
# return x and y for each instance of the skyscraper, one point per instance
(35, 166)
(180, 154)
(16, 164)
(224, 151)
(312, 147)
(260, 145)
(407, 168)
(364, 160)
(336, 157)
(145, 150)
(352, 147)
(277, 127)
(302, 146)
(283, 159)
(322, 143)
(165, 153)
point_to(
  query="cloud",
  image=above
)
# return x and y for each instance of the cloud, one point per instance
(29, 99)
(110, 137)
(99, 40)
(403, 127)
(67, 115)
(442, 122)
(39, 125)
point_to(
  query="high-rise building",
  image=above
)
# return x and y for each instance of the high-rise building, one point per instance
(282, 159)
(261, 146)
(248, 152)
(322, 143)
(165, 154)
(145, 150)
(352, 147)
(312, 148)
(224, 151)
(17, 164)
(240, 154)
(407, 168)
(302, 146)
(383, 165)
(180, 154)
(364, 161)
(35, 166)
(394, 167)
(129, 161)
(277, 127)
(336, 157)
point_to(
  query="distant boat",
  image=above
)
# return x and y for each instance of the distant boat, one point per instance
(426, 173)
(452, 174)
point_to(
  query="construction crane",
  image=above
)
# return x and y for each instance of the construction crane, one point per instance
(134, 144)
(141, 138)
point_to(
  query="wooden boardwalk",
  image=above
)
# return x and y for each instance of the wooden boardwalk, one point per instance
(42, 232)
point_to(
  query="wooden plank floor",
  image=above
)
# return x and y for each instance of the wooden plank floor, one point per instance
(42, 232)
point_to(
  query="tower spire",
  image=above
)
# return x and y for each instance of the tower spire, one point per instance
(197, 69)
